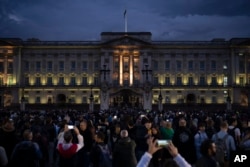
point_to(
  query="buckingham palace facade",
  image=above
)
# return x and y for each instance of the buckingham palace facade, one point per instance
(124, 69)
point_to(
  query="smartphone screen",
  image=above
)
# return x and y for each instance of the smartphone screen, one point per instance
(70, 127)
(162, 143)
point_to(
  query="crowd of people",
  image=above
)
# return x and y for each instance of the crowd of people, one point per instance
(121, 138)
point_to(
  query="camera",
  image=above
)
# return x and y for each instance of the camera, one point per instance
(70, 127)
(162, 143)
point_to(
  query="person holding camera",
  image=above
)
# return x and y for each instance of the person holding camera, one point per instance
(177, 161)
(67, 150)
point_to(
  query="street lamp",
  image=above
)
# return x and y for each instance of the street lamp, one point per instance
(91, 99)
(22, 107)
(160, 100)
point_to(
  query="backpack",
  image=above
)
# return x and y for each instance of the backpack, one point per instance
(232, 133)
(105, 157)
(221, 148)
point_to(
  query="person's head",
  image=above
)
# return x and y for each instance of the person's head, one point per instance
(208, 148)
(27, 135)
(224, 126)
(68, 136)
(155, 130)
(147, 123)
(83, 125)
(168, 124)
(201, 126)
(210, 123)
(124, 134)
(130, 123)
(8, 124)
(182, 122)
(117, 128)
(233, 121)
(99, 137)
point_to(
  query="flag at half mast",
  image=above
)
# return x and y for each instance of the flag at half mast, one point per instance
(125, 12)
(125, 20)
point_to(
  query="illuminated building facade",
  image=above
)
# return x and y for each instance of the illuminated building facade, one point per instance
(124, 69)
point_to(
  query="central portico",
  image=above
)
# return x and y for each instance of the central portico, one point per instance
(126, 70)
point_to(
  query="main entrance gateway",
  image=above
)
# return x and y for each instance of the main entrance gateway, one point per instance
(126, 98)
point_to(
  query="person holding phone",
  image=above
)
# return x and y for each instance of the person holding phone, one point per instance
(67, 150)
(177, 161)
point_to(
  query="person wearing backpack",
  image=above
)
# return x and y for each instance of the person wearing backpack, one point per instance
(234, 131)
(100, 154)
(224, 144)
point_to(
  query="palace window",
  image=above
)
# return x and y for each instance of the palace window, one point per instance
(167, 81)
(167, 65)
(72, 81)
(96, 65)
(73, 66)
(1, 67)
(155, 65)
(26, 81)
(96, 81)
(10, 67)
(241, 81)
(38, 81)
(213, 65)
(190, 81)
(61, 81)
(38, 66)
(84, 66)
(202, 65)
(61, 65)
(214, 81)
(179, 81)
(202, 80)
(156, 81)
(38, 100)
(49, 81)
(49, 66)
(178, 65)
(84, 81)
(190, 65)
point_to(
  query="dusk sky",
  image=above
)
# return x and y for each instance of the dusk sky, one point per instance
(86, 19)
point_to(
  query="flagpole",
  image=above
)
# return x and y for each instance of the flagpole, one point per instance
(125, 20)
(126, 24)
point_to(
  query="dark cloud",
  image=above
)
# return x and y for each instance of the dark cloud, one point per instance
(85, 20)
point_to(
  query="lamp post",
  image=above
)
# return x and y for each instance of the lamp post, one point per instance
(147, 99)
(22, 106)
(160, 107)
(91, 99)
(229, 105)
(105, 71)
(146, 71)
(104, 89)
